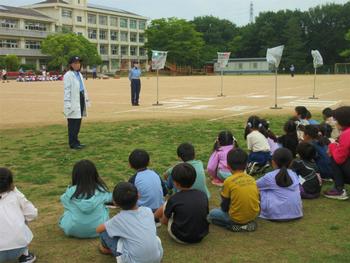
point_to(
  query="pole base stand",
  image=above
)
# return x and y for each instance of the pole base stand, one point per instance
(157, 104)
(275, 108)
(313, 98)
(221, 95)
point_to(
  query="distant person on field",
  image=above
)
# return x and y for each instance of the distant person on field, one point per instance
(94, 72)
(15, 213)
(292, 70)
(186, 153)
(4, 76)
(84, 202)
(239, 197)
(329, 119)
(340, 155)
(186, 211)
(217, 168)
(131, 235)
(134, 77)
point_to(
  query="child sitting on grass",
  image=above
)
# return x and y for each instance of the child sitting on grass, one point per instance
(306, 168)
(290, 139)
(15, 212)
(131, 235)
(240, 197)
(186, 153)
(186, 211)
(217, 165)
(84, 202)
(279, 190)
(148, 182)
(329, 119)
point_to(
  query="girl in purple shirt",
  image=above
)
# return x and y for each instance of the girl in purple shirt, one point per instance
(217, 168)
(279, 190)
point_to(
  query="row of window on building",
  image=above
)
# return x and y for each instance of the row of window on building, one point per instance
(11, 43)
(28, 25)
(124, 36)
(103, 20)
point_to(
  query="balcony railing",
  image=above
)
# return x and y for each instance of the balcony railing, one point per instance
(22, 52)
(23, 33)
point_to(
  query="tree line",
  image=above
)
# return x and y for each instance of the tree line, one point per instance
(194, 43)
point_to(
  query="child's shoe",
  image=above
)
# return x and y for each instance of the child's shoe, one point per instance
(27, 258)
(217, 182)
(250, 227)
(336, 194)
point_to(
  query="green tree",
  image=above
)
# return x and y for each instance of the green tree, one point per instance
(178, 37)
(2, 62)
(12, 62)
(60, 47)
(346, 53)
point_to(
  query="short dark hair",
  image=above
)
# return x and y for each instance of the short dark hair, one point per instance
(290, 127)
(6, 180)
(327, 112)
(342, 116)
(139, 159)
(312, 131)
(125, 195)
(306, 151)
(302, 111)
(186, 151)
(184, 174)
(237, 159)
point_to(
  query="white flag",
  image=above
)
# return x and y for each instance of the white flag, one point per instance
(158, 59)
(223, 58)
(318, 60)
(274, 55)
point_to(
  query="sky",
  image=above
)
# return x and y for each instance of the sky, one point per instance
(237, 11)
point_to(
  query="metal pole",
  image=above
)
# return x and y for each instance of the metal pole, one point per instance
(222, 82)
(313, 94)
(276, 107)
(157, 104)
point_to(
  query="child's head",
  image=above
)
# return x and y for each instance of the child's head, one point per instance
(253, 123)
(237, 159)
(300, 112)
(290, 127)
(125, 195)
(139, 159)
(281, 159)
(184, 175)
(224, 138)
(325, 129)
(306, 151)
(311, 132)
(342, 116)
(186, 152)
(6, 180)
(327, 113)
(86, 179)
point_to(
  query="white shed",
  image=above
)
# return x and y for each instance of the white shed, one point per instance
(245, 66)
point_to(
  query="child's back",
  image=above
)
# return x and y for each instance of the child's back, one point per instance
(82, 215)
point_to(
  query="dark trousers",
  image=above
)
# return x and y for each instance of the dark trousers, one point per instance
(341, 173)
(135, 91)
(74, 125)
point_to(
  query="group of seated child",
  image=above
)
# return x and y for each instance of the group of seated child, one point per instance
(181, 199)
(30, 78)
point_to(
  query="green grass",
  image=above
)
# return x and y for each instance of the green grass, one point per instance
(42, 163)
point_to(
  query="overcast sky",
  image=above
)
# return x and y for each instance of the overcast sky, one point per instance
(236, 11)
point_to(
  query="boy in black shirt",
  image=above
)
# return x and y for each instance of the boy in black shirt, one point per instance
(186, 211)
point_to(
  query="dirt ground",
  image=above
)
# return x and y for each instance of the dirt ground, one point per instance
(41, 103)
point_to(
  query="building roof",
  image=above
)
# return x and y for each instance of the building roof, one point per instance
(21, 11)
(107, 8)
(51, 2)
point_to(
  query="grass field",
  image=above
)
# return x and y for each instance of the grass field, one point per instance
(42, 164)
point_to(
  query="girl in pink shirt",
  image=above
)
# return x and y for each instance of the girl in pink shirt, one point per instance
(217, 168)
(340, 155)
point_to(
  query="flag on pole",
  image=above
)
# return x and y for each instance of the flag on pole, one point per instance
(158, 59)
(318, 60)
(274, 55)
(223, 58)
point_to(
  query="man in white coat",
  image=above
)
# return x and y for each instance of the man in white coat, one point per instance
(75, 101)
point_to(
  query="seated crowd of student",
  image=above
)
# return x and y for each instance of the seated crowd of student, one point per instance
(180, 200)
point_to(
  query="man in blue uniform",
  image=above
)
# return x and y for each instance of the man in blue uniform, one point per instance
(134, 77)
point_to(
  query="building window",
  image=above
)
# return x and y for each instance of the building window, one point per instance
(31, 25)
(103, 49)
(66, 13)
(133, 37)
(79, 19)
(142, 25)
(255, 65)
(103, 34)
(8, 43)
(8, 23)
(124, 23)
(79, 33)
(133, 24)
(113, 21)
(141, 38)
(124, 36)
(114, 49)
(114, 35)
(142, 51)
(31, 44)
(124, 50)
(115, 63)
(102, 20)
(240, 65)
(91, 19)
(92, 33)
(133, 51)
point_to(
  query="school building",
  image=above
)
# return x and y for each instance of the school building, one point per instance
(118, 34)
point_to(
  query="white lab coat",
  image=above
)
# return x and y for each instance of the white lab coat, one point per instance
(71, 98)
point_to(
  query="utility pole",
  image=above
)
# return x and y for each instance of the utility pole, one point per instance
(251, 13)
